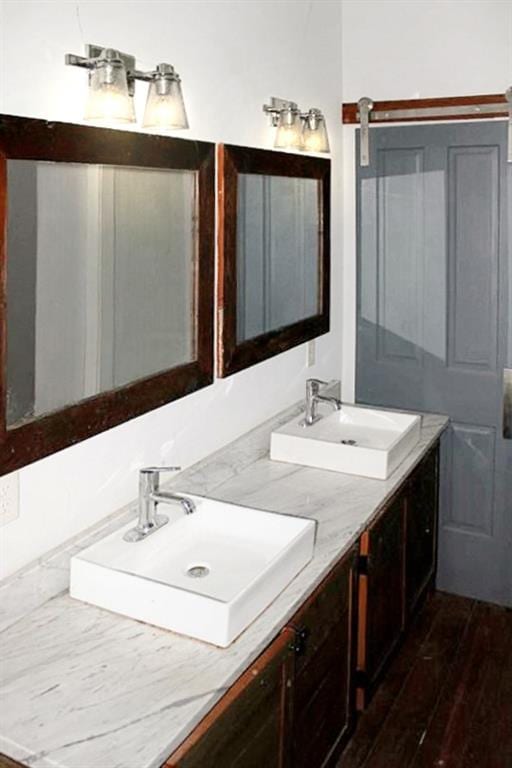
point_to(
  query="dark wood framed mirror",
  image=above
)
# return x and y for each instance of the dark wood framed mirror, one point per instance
(107, 280)
(274, 253)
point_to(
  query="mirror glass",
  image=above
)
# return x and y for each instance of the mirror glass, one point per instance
(278, 252)
(101, 279)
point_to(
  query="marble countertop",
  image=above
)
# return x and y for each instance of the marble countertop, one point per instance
(84, 688)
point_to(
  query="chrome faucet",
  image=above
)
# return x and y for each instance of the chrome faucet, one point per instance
(313, 398)
(150, 496)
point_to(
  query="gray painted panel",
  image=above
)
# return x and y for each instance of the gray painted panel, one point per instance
(463, 287)
(400, 245)
(471, 464)
(473, 255)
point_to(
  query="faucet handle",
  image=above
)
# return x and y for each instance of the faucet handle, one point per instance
(149, 478)
(313, 385)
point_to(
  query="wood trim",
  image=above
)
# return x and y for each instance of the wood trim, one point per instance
(349, 111)
(237, 357)
(353, 649)
(221, 277)
(3, 296)
(363, 605)
(29, 139)
(22, 138)
(362, 622)
(233, 356)
(278, 646)
(360, 700)
(8, 762)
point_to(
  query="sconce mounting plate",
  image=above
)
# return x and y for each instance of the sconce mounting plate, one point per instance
(93, 51)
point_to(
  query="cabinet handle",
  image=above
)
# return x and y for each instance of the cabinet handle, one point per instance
(298, 645)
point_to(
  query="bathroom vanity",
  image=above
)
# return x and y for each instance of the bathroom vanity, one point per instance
(85, 687)
(295, 706)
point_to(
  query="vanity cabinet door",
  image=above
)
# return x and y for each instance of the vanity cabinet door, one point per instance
(323, 703)
(381, 595)
(421, 528)
(248, 728)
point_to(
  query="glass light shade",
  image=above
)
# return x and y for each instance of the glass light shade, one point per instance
(288, 134)
(165, 108)
(314, 134)
(108, 99)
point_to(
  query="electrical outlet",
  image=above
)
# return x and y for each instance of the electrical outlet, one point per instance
(9, 498)
(311, 353)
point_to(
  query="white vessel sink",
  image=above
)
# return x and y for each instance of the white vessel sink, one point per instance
(355, 440)
(207, 575)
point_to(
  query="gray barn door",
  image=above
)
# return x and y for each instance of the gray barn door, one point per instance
(435, 323)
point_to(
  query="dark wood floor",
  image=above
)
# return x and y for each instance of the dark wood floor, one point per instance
(446, 700)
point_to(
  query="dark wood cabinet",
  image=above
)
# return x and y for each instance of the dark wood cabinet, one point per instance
(294, 707)
(421, 528)
(397, 564)
(249, 727)
(381, 595)
(323, 691)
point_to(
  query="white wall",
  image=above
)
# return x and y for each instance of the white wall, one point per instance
(232, 56)
(406, 49)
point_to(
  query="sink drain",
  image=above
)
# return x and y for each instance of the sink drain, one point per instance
(348, 442)
(198, 571)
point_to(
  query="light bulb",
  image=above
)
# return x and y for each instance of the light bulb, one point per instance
(288, 134)
(165, 108)
(108, 99)
(314, 132)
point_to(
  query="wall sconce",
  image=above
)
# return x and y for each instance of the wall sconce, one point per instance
(108, 97)
(314, 132)
(285, 116)
(112, 77)
(305, 131)
(165, 107)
